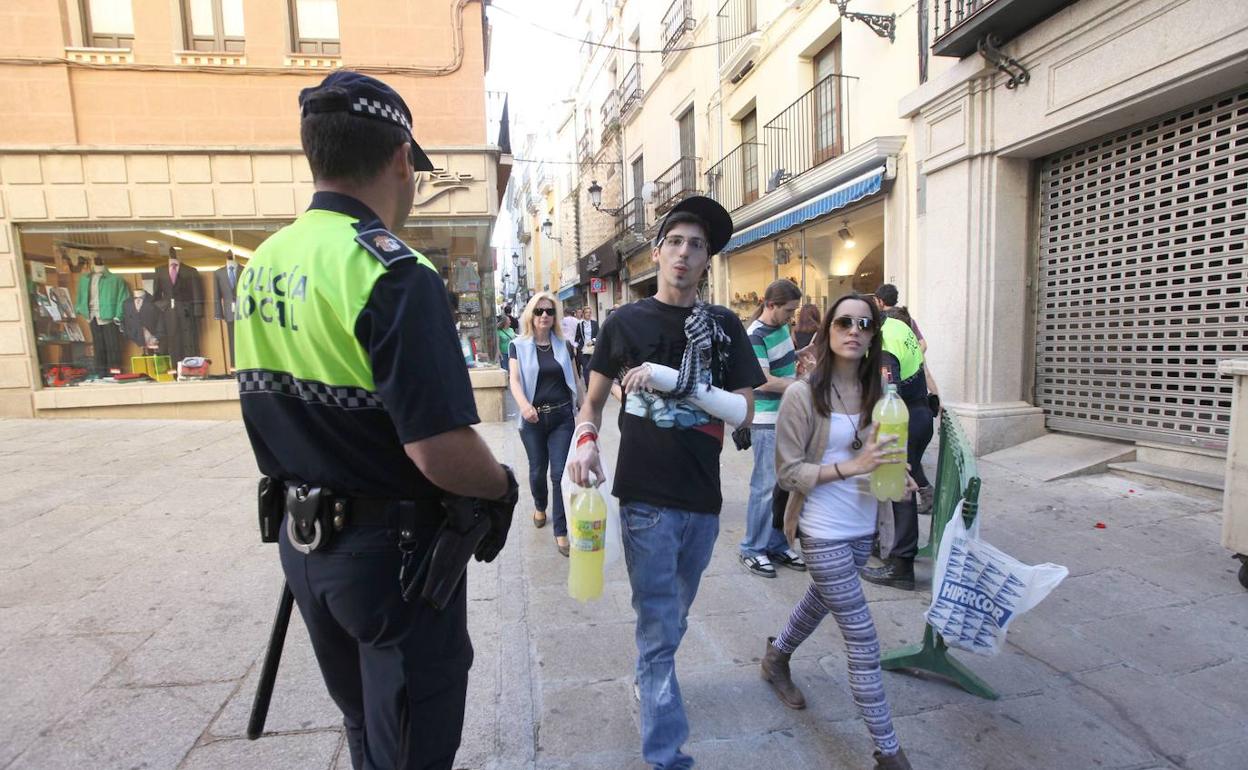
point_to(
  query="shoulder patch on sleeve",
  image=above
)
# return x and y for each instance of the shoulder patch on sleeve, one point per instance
(384, 245)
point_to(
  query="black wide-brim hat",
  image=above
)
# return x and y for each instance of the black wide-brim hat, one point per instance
(361, 96)
(717, 219)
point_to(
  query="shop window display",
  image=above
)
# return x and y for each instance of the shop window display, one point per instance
(113, 305)
(749, 273)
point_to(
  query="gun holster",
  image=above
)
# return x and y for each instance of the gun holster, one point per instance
(270, 506)
(309, 524)
(457, 539)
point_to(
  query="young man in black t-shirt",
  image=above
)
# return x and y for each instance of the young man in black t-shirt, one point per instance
(667, 473)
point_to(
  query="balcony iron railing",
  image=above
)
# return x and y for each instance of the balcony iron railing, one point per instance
(675, 184)
(611, 112)
(734, 180)
(676, 22)
(948, 14)
(631, 218)
(630, 92)
(737, 19)
(805, 134)
(584, 148)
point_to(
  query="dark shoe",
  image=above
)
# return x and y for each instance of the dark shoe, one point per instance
(563, 547)
(896, 573)
(776, 673)
(896, 761)
(789, 558)
(539, 519)
(758, 565)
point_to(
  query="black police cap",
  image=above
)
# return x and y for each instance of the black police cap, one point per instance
(362, 96)
(717, 219)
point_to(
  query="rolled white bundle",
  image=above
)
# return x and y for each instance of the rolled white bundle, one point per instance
(729, 407)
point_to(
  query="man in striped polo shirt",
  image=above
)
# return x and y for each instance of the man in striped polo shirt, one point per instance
(773, 345)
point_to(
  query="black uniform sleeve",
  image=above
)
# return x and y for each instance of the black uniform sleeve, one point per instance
(889, 361)
(743, 369)
(418, 368)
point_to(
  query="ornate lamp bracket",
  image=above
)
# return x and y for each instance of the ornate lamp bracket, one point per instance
(884, 26)
(988, 48)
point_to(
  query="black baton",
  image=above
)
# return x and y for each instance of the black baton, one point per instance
(272, 657)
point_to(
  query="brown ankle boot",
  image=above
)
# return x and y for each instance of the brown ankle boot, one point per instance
(776, 673)
(897, 761)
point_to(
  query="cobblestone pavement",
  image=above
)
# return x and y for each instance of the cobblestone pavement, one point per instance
(135, 602)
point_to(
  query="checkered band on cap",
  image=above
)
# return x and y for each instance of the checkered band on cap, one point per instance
(311, 391)
(380, 109)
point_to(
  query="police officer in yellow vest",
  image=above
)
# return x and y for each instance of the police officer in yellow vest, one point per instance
(904, 357)
(357, 403)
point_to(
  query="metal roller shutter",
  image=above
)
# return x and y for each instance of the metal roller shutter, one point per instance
(1142, 277)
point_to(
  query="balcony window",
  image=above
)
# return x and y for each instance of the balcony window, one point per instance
(749, 157)
(314, 27)
(213, 25)
(676, 183)
(676, 22)
(108, 23)
(737, 19)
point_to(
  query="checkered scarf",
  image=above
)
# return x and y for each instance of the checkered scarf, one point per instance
(702, 332)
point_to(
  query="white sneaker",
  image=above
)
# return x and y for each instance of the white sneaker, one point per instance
(758, 565)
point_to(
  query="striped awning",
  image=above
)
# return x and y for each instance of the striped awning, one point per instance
(837, 198)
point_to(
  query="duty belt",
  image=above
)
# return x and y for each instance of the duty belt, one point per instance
(313, 514)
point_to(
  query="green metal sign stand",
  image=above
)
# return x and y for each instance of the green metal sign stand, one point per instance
(956, 479)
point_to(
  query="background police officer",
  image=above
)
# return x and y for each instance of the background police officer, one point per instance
(355, 395)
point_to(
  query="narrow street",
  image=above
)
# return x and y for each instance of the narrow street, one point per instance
(135, 602)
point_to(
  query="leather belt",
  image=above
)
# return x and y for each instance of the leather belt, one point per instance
(548, 408)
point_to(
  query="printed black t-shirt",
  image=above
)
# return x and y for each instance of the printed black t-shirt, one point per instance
(669, 449)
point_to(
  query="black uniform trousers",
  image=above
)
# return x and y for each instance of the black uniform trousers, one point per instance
(398, 670)
(905, 512)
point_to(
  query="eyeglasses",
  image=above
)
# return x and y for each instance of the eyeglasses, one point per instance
(676, 241)
(846, 322)
(550, 311)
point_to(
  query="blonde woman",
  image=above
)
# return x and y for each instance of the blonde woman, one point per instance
(548, 392)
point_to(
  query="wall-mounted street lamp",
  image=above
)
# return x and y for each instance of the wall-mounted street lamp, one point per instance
(548, 227)
(595, 199)
(884, 26)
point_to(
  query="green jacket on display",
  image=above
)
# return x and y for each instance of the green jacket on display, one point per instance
(113, 293)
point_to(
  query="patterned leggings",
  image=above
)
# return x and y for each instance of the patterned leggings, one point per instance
(834, 568)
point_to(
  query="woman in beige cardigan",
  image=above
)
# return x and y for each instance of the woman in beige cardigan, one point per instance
(825, 450)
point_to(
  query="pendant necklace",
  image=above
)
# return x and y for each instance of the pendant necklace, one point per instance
(857, 442)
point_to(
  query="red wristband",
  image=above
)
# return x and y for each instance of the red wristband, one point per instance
(585, 438)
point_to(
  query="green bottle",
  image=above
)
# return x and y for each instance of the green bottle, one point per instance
(888, 482)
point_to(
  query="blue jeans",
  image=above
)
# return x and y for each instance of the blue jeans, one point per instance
(760, 537)
(546, 443)
(666, 550)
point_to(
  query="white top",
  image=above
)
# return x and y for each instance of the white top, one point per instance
(840, 510)
(567, 325)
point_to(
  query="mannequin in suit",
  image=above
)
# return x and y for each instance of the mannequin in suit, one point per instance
(100, 298)
(179, 296)
(223, 282)
(140, 319)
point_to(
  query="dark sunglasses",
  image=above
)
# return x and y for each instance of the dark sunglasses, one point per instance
(847, 322)
(550, 311)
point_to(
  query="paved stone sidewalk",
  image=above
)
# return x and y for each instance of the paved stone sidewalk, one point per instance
(135, 603)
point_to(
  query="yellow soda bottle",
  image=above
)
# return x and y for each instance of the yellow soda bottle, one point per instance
(587, 536)
(888, 482)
